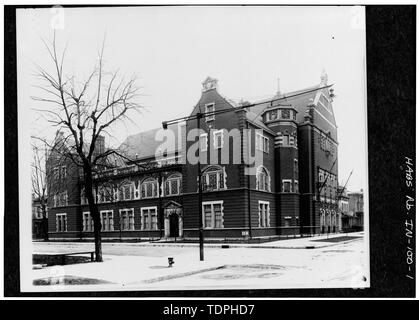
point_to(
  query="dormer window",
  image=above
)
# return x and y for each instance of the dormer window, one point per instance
(209, 111)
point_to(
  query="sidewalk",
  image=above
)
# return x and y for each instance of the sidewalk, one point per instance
(294, 243)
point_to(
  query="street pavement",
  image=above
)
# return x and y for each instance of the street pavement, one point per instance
(279, 264)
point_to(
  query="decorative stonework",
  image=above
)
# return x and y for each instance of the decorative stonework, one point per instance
(209, 84)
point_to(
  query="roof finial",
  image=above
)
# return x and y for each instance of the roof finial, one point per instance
(278, 92)
(323, 78)
(209, 84)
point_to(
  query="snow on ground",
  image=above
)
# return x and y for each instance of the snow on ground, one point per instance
(145, 267)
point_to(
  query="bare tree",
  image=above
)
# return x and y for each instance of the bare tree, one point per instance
(40, 184)
(84, 113)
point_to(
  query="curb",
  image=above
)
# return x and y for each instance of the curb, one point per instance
(230, 246)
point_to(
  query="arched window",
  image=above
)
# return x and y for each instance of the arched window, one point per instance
(126, 191)
(149, 188)
(105, 193)
(263, 180)
(213, 178)
(172, 185)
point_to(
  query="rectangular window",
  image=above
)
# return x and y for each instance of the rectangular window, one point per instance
(61, 222)
(264, 214)
(209, 110)
(218, 139)
(285, 113)
(273, 115)
(127, 219)
(285, 140)
(106, 218)
(286, 185)
(287, 221)
(262, 143)
(297, 221)
(213, 215)
(296, 168)
(87, 222)
(149, 218)
(203, 142)
(296, 186)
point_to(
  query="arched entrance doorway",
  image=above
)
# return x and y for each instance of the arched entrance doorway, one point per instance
(173, 220)
(173, 225)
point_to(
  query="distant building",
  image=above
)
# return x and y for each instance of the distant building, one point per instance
(352, 204)
(343, 203)
(356, 209)
(293, 192)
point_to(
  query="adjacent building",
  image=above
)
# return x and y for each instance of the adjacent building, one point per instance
(356, 209)
(343, 204)
(269, 169)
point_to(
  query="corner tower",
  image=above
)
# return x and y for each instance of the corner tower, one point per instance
(282, 119)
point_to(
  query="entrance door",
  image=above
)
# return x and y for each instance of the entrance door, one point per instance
(174, 225)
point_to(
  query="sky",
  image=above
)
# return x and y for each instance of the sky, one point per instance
(173, 49)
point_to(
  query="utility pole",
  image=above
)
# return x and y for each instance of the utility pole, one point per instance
(248, 186)
(201, 230)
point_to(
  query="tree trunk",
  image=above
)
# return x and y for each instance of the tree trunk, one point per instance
(94, 213)
(44, 221)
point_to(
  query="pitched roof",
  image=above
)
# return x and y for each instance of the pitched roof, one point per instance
(256, 118)
(144, 144)
(298, 99)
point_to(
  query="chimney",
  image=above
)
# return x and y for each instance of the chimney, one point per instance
(323, 78)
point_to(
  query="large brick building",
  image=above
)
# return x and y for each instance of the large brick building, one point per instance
(153, 193)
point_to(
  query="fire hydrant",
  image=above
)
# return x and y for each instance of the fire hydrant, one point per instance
(170, 262)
